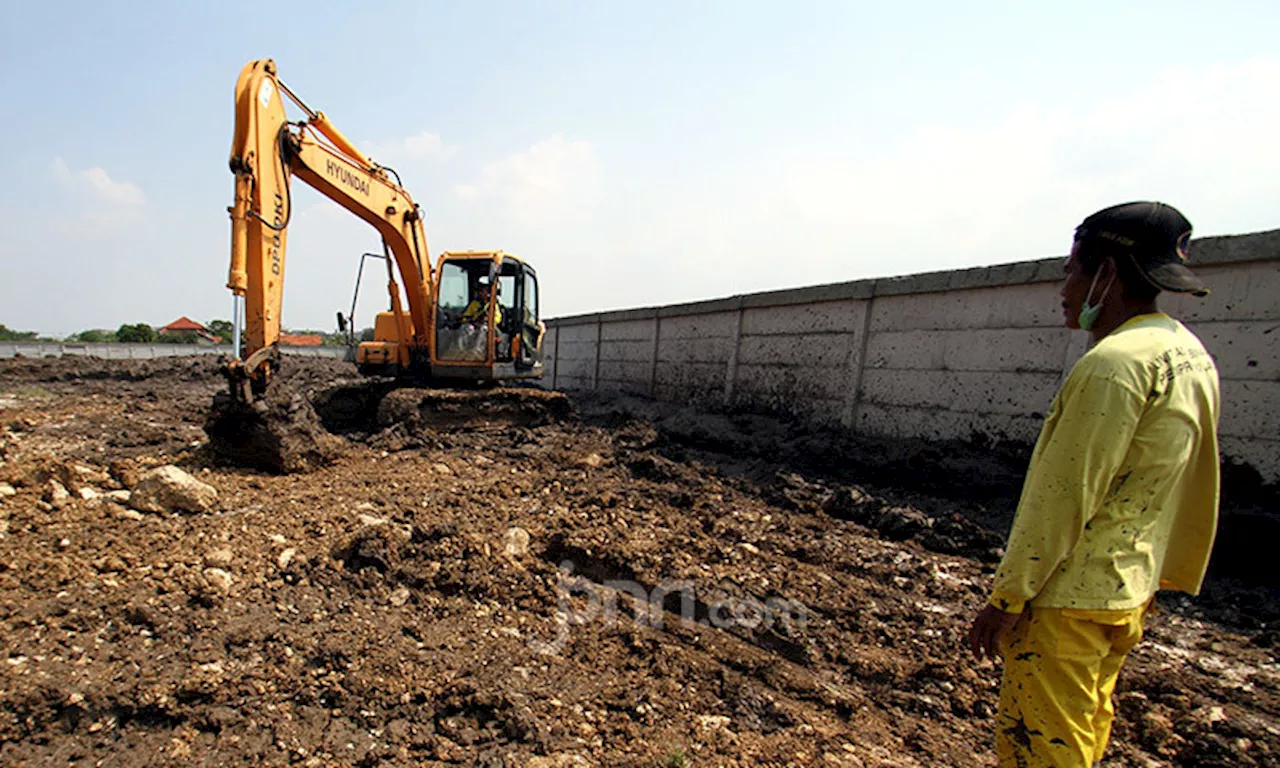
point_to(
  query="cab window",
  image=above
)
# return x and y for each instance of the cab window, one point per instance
(530, 298)
(507, 294)
(454, 288)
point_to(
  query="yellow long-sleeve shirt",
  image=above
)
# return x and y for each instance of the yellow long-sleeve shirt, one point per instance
(1121, 497)
(476, 309)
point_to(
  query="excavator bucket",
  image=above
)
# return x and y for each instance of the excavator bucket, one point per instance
(279, 432)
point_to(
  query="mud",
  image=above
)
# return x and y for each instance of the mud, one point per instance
(964, 492)
(294, 426)
(279, 431)
(280, 434)
(639, 585)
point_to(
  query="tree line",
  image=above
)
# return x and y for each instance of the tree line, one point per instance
(142, 333)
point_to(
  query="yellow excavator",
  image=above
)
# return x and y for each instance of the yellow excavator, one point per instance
(470, 321)
(473, 318)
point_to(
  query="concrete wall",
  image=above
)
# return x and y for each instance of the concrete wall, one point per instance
(940, 355)
(115, 351)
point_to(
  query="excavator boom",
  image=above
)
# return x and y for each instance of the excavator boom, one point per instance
(266, 152)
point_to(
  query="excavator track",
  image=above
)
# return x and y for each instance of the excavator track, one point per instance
(368, 407)
(445, 410)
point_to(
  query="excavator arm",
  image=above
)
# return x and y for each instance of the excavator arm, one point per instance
(266, 152)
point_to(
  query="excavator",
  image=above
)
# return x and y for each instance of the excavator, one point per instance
(471, 320)
(421, 342)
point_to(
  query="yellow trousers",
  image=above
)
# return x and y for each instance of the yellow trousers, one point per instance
(1060, 669)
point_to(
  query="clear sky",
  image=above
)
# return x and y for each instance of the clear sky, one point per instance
(635, 153)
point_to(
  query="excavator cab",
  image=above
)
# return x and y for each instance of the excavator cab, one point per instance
(486, 323)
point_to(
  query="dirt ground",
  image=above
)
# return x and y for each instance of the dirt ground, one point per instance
(640, 585)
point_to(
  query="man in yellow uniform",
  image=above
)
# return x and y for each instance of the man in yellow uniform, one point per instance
(1120, 499)
(478, 310)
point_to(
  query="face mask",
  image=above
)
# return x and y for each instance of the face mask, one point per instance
(1089, 312)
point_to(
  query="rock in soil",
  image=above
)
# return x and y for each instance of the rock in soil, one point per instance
(170, 489)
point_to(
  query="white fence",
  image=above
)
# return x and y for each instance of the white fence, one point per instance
(142, 351)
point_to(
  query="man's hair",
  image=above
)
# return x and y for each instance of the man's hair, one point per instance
(1133, 282)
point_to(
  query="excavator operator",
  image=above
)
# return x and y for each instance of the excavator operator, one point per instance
(477, 311)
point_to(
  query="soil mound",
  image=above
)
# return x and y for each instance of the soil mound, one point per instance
(280, 432)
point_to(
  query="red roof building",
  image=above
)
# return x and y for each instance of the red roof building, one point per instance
(181, 325)
(185, 324)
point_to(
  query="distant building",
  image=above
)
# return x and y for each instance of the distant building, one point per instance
(185, 324)
(301, 339)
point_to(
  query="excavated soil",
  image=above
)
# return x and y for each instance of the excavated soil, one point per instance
(294, 425)
(630, 585)
(279, 433)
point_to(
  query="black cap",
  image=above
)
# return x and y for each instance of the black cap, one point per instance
(1154, 235)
